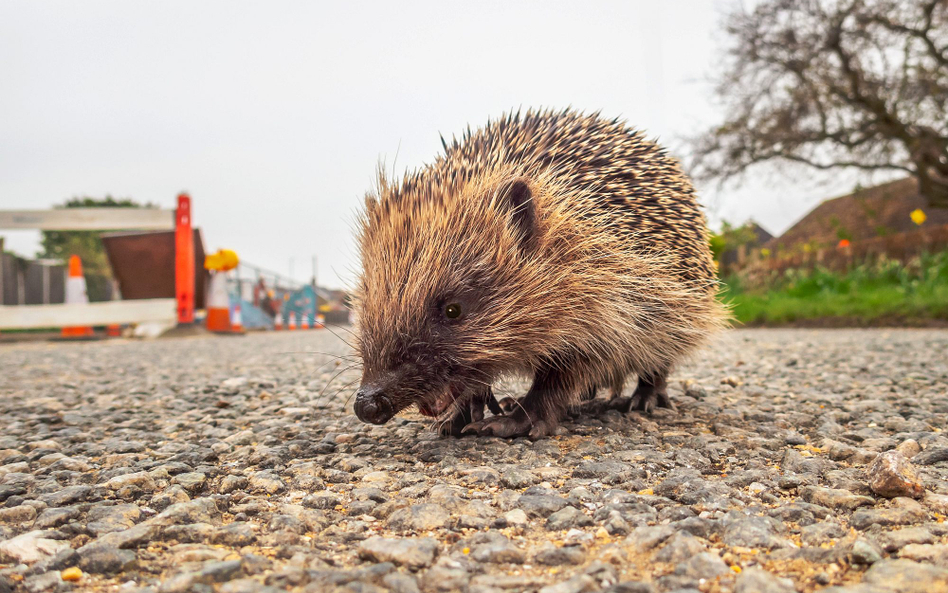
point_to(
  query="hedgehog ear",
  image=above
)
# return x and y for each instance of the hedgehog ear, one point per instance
(515, 196)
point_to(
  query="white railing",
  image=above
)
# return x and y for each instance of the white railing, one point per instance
(89, 219)
(105, 313)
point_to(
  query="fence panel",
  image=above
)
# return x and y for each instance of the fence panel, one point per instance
(8, 280)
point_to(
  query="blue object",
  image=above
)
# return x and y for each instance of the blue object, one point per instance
(253, 317)
(302, 302)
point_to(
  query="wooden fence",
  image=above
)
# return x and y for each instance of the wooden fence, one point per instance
(901, 247)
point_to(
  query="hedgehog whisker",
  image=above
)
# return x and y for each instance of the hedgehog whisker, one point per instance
(448, 416)
(470, 368)
(519, 405)
(344, 341)
(313, 372)
(321, 367)
(348, 368)
(345, 404)
(344, 357)
(344, 387)
(342, 327)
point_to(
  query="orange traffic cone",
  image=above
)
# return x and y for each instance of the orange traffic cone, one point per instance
(218, 304)
(76, 295)
(304, 321)
(237, 320)
(291, 324)
(320, 321)
(278, 321)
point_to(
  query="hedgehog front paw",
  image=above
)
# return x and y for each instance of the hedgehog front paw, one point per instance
(470, 411)
(453, 426)
(646, 400)
(592, 408)
(514, 425)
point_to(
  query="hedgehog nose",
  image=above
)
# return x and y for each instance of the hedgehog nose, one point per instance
(371, 405)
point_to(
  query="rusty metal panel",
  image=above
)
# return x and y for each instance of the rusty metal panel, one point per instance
(143, 264)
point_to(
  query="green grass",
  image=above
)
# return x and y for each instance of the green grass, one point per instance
(884, 291)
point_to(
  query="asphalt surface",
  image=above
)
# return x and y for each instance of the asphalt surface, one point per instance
(235, 464)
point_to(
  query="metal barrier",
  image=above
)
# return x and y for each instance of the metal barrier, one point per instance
(179, 309)
(26, 282)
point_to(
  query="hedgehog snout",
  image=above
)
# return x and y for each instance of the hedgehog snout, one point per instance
(372, 405)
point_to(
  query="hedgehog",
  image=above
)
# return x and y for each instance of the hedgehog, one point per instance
(556, 245)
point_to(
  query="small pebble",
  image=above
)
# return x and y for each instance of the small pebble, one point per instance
(892, 474)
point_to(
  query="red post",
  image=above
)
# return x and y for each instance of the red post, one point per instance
(184, 260)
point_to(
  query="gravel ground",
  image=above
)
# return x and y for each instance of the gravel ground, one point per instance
(234, 464)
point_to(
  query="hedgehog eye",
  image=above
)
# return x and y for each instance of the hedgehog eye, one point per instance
(452, 311)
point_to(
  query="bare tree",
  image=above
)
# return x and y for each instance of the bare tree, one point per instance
(835, 84)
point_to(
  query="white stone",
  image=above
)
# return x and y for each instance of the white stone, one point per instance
(30, 547)
(516, 517)
(142, 480)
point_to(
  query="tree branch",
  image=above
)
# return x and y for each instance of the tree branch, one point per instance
(940, 55)
(834, 84)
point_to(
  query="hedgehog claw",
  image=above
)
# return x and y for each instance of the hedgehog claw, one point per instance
(646, 401)
(591, 408)
(649, 394)
(516, 425)
(454, 425)
(468, 412)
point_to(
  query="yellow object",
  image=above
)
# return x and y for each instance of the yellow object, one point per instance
(71, 574)
(918, 217)
(223, 260)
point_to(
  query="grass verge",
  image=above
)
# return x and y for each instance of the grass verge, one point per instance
(884, 292)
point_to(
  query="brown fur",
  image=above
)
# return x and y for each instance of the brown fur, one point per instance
(604, 273)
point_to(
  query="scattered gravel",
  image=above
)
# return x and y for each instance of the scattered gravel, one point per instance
(798, 460)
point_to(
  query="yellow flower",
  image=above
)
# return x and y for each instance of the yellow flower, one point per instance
(765, 252)
(918, 217)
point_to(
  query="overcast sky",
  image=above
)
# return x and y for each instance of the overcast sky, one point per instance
(274, 115)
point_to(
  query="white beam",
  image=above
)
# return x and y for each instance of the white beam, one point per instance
(105, 313)
(89, 219)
